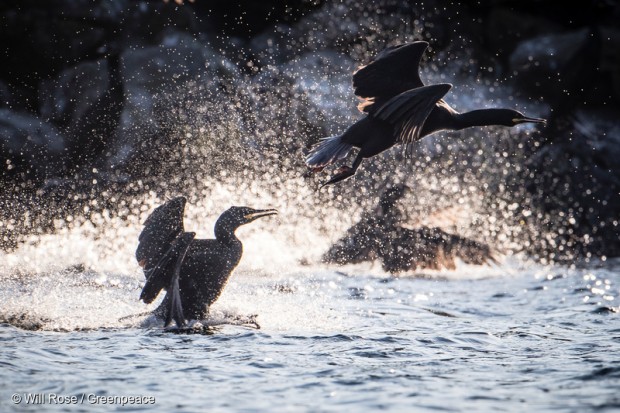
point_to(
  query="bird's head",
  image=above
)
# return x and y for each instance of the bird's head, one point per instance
(236, 216)
(509, 117)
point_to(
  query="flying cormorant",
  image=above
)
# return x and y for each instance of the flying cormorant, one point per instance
(192, 271)
(399, 109)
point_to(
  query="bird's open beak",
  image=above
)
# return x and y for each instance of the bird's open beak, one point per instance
(258, 213)
(526, 119)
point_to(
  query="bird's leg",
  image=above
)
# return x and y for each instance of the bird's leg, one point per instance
(312, 171)
(345, 172)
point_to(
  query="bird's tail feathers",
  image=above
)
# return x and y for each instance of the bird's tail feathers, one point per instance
(327, 151)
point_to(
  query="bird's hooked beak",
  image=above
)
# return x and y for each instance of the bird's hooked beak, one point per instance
(527, 119)
(258, 213)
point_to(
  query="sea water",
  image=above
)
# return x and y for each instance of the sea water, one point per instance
(514, 336)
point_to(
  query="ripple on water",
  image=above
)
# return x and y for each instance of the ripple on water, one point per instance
(602, 373)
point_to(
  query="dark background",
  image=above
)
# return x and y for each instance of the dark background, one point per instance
(46, 159)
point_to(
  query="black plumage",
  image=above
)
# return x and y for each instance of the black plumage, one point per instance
(193, 272)
(399, 110)
(379, 235)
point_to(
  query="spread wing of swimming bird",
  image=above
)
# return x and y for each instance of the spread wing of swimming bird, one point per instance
(161, 250)
(160, 276)
(165, 276)
(394, 71)
(161, 228)
(408, 111)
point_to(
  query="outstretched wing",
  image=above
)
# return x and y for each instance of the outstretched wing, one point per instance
(394, 71)
(165, 274)
(408, 111)
(161, 228)
(176, 307)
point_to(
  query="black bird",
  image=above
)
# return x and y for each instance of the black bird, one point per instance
(192, 271)
(400, 109)
(380, 235)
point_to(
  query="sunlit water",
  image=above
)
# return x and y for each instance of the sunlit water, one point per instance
(513, 337)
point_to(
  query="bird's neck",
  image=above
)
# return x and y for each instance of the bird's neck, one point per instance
(225, 233)
(480, 117)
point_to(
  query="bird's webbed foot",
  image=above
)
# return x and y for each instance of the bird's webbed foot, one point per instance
(312, 171)
(341, 174)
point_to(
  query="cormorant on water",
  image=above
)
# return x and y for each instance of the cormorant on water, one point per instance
(380, 235)
(192, 271)
(400, 109)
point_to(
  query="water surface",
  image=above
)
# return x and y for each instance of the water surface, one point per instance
(515, 337)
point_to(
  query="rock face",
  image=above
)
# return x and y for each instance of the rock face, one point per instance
(30, 150)
(572, 188)
(567, 68)
(65, 99)
(154, 71)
